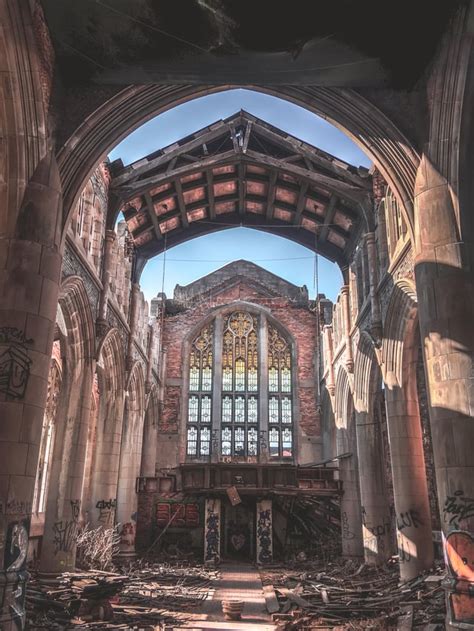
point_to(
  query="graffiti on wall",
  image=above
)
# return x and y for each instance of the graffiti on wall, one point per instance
(459, 550)
(264, 535)
(212, 534)
(106, 512)
(65, 530)
(458, 508)
(181, 515)
(14, 362)
(16, 545)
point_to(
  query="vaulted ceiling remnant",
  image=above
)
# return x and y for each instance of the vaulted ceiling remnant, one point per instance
(243, 171)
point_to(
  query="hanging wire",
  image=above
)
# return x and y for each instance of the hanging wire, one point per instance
(163, 302)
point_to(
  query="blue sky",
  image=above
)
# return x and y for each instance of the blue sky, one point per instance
(198, 257)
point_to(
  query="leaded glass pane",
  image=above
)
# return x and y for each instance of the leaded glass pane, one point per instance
(226, 442)
(240, 375)
(252, 380)
(194, 378)
(286, 416)
(192, 441)
(285, 380)
(252, 442)
(227, 410)
(287, 442)
(274, 442)
(227, 379)
(273, 380)
(273, 410)
(206, 410)
(239, 410)
(239, 441)
(252, 410)
(206, 379)
(193, 409)
(205, 441)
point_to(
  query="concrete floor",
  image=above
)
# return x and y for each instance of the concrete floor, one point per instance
(236, 582)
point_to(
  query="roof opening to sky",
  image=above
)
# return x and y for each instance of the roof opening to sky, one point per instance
(200, 256)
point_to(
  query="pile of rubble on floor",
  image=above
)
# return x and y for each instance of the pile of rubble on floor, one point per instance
(147, 597)
(341, 595)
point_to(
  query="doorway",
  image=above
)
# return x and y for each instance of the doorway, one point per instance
(239, 530)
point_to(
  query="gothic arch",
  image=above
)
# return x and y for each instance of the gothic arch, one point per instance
(367, 381)
(369, 127)
(343, 399)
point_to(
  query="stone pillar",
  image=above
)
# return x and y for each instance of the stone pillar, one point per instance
(264, 537)
(217, 389)
(109, 241)
(410, 490)
(346, 315)
(351, 517)
(376, 314)
(30, 267)
(329, 358)
(212, 531)
(263, 389)
(445, 287)
(376, 519)
(132, 322)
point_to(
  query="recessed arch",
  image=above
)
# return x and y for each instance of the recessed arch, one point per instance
(393, 154)
(367, 376)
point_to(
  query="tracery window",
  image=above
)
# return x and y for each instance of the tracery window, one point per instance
(200, 394)
(239, 431)
(280, 402)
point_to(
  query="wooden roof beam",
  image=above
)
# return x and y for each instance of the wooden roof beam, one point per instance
(241, 185)
(271, 194)
(210, 193)
(153, 217)
(300, 202)
(181, 205)
(328, 219)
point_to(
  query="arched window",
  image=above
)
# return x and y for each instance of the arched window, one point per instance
(280, 401)
(238, 430)
(239, 421)
(200, 394)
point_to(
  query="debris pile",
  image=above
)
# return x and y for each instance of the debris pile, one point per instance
(341, 596)
(148, 597)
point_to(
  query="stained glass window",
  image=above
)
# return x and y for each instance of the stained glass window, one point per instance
(280, 401)
(240, 385)
(200, 393)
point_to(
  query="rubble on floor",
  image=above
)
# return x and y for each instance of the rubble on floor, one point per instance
(146, 597)
(343, 595)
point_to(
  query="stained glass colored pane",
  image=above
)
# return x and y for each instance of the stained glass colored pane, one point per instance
(205, 446)
(252, 442)
(239, 410)
(252, 380)
(240, 375)
(273, 410)
(193, 409)
(287, 442)
(227, 410)
(192, 441)
(286, 416)
(226, 442)
(252, 410)
(239, 441)
(273, 380)
(227, 379)
(206, 379)
(194, 378)
(206, 409)
(274, 442)
(285, 380)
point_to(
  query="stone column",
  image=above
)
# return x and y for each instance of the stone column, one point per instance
(263, 389)
(329, 358)
(346, 315)
(376, 314)
(264, 537)
(132, 322)
(109, 241)
(212, 531)
(410, 490)
(30, 267)
(351, 517)
(217, 389)
(376, 519)
(445, 286)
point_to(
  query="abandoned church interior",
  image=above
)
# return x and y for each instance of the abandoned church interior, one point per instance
(282, 457)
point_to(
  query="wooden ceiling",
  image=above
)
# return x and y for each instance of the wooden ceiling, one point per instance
(243, 171)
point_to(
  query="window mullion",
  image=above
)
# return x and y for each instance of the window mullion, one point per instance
(262, 390)
(217, 389)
